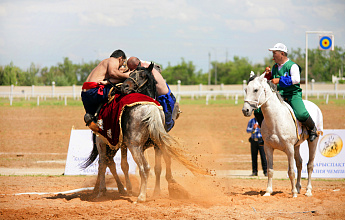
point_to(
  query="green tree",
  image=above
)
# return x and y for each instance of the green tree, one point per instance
(30, 77)
(9, 75)
(83, 71)
(233, 72)
(67, 73)
(184, 71)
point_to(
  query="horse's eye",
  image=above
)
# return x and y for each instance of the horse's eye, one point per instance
(256, 90)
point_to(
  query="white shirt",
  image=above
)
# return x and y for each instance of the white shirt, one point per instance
(295, 74)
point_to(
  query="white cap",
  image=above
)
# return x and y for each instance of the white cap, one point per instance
(280, 47)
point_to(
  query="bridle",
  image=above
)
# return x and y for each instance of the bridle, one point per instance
(146, 87)
(256, 103)
(135, 79)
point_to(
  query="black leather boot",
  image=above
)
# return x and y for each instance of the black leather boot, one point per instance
(259, 118)
(91, 122)
(310, 125)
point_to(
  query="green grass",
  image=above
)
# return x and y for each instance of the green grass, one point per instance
(221, 100)
(21, 102)
(185, 100)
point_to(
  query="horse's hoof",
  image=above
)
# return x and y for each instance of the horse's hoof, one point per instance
(123, 192)
(267, 194)
(308, 194)
(294, 195)
(140, 199)
(100, 195)
(176, 191)
(156, 192)
(129, 193)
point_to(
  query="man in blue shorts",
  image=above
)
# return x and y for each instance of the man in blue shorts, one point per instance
(95, 90)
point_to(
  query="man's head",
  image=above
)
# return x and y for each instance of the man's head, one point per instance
(119, 54)
(279, 53)
(133, 63)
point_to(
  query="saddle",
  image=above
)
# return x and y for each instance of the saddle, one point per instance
(314, 113)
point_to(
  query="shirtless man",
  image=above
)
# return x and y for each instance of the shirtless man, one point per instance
(165, 96)
(95, 90)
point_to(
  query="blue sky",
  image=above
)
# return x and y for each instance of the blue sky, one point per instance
(44, 32)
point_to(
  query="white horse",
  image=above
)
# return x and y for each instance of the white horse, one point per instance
(279, 131)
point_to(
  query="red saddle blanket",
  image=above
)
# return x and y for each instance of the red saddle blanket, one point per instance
(109, 119)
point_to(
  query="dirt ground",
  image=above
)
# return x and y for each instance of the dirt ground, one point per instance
(214, 135)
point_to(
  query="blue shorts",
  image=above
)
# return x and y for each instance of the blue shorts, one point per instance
(168, 102)
(91, 99)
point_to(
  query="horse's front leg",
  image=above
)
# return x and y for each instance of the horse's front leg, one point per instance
(290, 154)
(144, 170)
(298, 160)
(269, 155)
(312, 151)
(158, 171)
(125, 169)
(112, 166)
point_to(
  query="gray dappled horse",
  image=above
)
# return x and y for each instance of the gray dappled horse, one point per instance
(142, 127)
(279, 131)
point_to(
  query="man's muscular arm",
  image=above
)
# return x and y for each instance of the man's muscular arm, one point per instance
(114, 72)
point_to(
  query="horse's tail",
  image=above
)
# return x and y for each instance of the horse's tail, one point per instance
(93, 154)
(167, 143)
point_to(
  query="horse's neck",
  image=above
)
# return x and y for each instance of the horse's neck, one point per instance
(273, 109)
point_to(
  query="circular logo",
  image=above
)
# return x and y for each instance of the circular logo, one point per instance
(325, 42)
(330, 145)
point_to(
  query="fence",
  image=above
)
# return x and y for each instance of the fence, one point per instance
(192, 91)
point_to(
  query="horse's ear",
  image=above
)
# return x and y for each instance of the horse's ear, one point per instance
(263, 78)
(150, 67)
(252, 74)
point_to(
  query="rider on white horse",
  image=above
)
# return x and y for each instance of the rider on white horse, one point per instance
(286, 75)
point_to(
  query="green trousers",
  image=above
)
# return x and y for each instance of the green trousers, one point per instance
(297, 105)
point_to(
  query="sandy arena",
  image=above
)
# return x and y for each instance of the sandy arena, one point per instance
(37, 139)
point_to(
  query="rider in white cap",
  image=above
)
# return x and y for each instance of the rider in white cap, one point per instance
(287, 76)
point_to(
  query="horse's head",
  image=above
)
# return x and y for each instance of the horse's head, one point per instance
(142, 81)
(255, 94)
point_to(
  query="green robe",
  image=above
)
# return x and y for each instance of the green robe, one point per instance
(291, 94)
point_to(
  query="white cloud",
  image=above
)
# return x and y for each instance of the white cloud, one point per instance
(3, 11)
(256, 25)
(165, 30)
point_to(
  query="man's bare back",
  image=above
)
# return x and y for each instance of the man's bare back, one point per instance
(108, 69)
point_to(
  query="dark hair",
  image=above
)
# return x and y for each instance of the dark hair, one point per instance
(118, 53)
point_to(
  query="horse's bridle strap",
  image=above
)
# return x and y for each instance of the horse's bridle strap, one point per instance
(257, 102)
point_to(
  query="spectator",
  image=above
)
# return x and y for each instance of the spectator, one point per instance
(256, 144)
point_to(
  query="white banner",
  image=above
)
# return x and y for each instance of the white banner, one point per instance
(330, 156)
(80, 147)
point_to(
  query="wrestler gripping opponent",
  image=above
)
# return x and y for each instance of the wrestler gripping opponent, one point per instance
(95, 90)
(165, 96)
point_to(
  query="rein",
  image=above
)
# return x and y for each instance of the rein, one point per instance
(257, 102)
(143, 82)
(135, 80)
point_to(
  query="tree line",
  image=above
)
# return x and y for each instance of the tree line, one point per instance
(321, 66)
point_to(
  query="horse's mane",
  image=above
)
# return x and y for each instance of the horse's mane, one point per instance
(274, 89)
